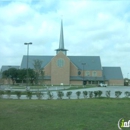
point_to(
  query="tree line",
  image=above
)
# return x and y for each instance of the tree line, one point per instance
(20, 75)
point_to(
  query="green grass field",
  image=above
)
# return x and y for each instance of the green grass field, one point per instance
(83, 114)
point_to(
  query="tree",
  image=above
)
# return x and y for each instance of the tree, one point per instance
(50, 95)
(38, 70)
(127, 93)
(39, 94)
(19, 75)
(18, 93)
(85, 93)
(60, 94)
(8, 93)
(108, 93)
(31, 74)
(99, 93)
(117, 94)
(29, 95)
(1, 93)
(22, 75)
(11, 73)
(90, 94)
(68, 94)
(78, 94)
(95, 93)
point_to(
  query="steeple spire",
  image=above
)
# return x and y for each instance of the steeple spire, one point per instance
(61, 41)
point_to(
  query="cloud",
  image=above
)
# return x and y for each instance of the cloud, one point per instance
(90, 28)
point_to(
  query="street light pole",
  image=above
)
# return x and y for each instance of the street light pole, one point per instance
(27, 58)
(83, 71)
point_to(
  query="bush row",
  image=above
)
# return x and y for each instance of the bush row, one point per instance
(60, 94)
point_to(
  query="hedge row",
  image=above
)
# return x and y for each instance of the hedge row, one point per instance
(60, 94)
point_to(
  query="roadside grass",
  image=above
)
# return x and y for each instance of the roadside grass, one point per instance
(85, 114)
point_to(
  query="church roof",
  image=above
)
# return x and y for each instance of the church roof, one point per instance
(6, 67)
(92, 62)
(45, 60)
(112, 73)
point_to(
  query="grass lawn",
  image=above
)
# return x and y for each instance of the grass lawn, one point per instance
(83, 114)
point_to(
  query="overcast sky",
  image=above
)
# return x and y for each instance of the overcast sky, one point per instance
(91, 28)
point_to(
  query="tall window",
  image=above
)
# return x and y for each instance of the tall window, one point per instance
(87, 73)
(60, 62)
(94, 73)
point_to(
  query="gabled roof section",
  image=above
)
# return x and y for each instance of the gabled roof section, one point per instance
(92, 62)
(112, 73)
(6, 67)
(45, 60)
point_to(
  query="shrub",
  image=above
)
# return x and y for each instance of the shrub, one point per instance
(8, 93)
(99, 93)
(127, 93)
(85, 93)
(50, 95)
(29, 95)
(78, 94)
(108, 93)
(117, 93)
(90, 94)
(95, 93)
(68, 94)
(60, 94)
(18, 94)
(39, 94)
(1, 93)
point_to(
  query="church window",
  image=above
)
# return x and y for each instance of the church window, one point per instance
(87, 73)
(60, 62)
(94, 73)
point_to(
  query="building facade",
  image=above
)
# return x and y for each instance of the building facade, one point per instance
(74, 70)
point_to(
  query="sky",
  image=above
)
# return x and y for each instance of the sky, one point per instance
(91, 28)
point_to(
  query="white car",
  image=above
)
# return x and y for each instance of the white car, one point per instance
(102, 85)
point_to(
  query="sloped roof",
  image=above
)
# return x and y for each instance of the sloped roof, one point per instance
(6, 67)
(45, 59)
(112, 73)
(92, 62)
(86, 78)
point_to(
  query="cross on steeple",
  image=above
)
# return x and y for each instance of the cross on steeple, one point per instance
(61, 42)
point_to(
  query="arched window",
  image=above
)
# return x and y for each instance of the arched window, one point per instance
(94, 73)
(60, 62)
(87, 73)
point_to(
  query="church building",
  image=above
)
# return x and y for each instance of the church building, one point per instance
(62, 69)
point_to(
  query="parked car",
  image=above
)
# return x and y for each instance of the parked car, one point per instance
(102, 85)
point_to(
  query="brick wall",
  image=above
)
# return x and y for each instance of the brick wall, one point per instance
(60, 74)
